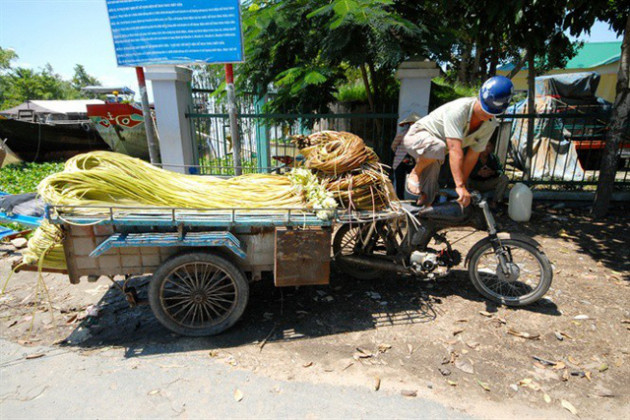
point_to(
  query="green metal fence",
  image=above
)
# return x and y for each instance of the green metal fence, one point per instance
(266, 138)
(568, 148)
(568, 142)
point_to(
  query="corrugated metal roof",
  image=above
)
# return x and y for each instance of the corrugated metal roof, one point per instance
(55, 106)
(592, 54)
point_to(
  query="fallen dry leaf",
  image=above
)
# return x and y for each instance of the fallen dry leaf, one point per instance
(486, 314)
(384, 347)
(409, 393)
(34, 356)
(457, 332)
(465, 366)
(472, 344)
(547, 398)
(238, 395)
(307, 364)
(484, 385)
(603, 367)
(452, 383)
(567, 405)
(523, 334)
(572, 360)
(529, 383)
(377, 383)
(559, 366)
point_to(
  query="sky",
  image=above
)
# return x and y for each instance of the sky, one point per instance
(69, 32)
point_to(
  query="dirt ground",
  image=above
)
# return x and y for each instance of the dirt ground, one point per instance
(569, 352)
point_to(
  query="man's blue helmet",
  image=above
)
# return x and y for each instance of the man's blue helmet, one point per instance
(495, 94)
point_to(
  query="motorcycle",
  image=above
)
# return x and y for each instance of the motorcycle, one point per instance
(507, 268)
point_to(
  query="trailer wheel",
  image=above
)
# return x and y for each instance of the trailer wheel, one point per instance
(198, 294)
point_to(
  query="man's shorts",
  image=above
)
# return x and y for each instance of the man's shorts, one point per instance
(421, 144)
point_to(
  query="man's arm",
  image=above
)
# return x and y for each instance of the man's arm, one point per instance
(470, 160)
(461, 167)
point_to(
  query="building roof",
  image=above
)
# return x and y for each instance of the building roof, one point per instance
(55, 107)
(592, 54)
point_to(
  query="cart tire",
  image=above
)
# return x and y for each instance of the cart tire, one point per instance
(198, 294)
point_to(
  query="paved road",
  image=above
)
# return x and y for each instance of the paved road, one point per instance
(66, 384)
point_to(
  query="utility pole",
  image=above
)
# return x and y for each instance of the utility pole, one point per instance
(236, 141)
(152, 142)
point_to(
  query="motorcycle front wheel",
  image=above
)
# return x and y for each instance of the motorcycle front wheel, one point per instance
(527, 280)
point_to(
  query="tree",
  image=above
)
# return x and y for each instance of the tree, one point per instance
(537, 29)
(581, 19)
(301, 49)
(21, 84)
(82, 79)
(6, 56)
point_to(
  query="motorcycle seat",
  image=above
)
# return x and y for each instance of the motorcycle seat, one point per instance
(450, 211)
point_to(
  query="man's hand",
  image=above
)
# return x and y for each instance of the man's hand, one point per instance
(464, 196)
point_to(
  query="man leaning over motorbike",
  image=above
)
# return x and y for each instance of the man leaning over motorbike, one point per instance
(449, 129)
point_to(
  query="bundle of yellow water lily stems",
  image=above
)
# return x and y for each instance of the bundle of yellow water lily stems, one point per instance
(349, 169)
(339, 170)
(112, 179)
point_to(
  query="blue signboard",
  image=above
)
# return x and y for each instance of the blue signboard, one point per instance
(149, 32)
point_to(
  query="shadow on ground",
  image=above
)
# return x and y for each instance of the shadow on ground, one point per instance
(280, 314)
(605, 241)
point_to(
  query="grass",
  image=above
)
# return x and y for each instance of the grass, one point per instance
(443, 91)
(20, 178)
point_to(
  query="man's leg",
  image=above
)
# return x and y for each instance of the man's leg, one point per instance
(429, 183)
(413, 180)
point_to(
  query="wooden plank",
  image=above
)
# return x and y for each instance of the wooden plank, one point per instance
(302, 257)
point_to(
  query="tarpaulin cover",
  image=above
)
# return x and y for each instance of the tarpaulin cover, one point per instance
(580, 86)
(554, 154)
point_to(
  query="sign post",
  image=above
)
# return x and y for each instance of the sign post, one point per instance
(159, 32)
(236, 141)
(152, 142)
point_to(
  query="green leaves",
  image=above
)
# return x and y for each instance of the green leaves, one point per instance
(20, 178)
(314, 78)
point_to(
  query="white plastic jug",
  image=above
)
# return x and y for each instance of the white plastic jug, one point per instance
(520, 205)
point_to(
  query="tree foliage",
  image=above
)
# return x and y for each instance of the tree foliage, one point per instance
(18, 84)
(302, 49)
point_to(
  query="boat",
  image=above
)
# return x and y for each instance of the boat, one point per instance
(45, 130)
(119, 121)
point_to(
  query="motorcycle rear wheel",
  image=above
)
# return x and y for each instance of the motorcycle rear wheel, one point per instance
(345, 243)
(529, 279)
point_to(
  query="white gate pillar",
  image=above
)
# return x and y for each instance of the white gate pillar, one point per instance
(415, 86)
(172, 98)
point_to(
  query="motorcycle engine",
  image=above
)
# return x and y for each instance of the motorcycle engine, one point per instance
(423, 261)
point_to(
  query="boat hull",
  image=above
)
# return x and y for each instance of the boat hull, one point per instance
(40, 142)
(122, 127)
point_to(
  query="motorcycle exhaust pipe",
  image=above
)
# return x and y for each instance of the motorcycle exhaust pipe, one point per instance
(372, 263)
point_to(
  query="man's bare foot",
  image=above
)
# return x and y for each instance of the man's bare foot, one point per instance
(413, 183)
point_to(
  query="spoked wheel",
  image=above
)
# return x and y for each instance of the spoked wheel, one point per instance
(527, 279)
(198, 294)
(352, 240)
